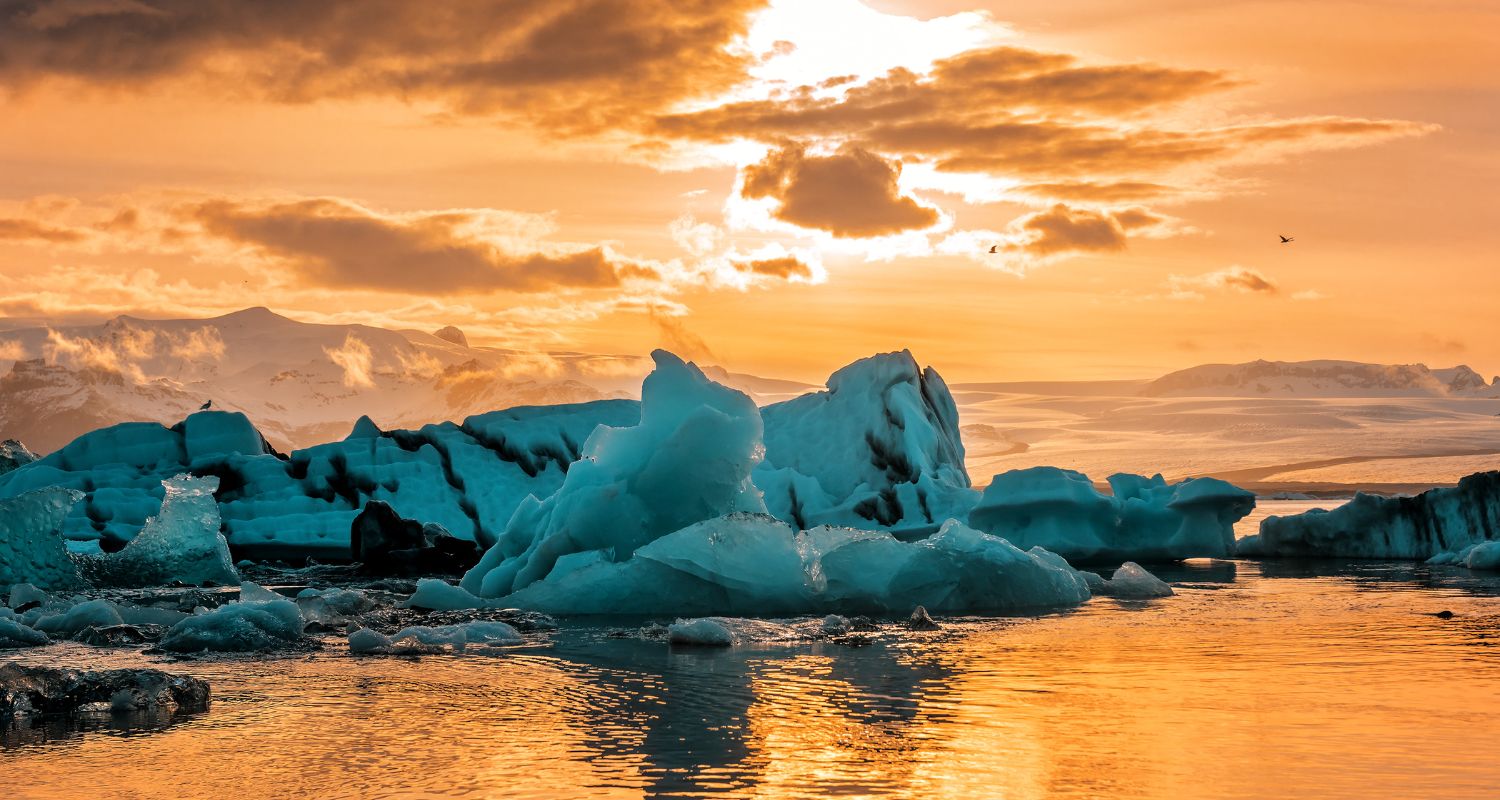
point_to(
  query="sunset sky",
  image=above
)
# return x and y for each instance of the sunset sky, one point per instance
(778, 188)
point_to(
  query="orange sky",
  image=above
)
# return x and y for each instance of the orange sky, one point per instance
(779, 189)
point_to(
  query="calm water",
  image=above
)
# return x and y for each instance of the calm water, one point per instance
(1310, 680)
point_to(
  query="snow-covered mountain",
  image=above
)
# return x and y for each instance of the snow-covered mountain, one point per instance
(1322, 379)
(301, 383)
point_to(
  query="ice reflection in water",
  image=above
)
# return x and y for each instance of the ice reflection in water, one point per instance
(1256, 680)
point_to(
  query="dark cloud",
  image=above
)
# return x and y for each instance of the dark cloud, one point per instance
(1025, 113)
(334, 243)
(786, 267)
(1062, 229)
(16, 229)
(852, 193)
(577, 64)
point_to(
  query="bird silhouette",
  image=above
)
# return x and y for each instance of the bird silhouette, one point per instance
(992, 248)
(1287, 239)
(206, 405)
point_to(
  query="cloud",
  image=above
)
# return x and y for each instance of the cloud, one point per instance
(30, 230)
(336, 243)
(852, 193)
(676, 337)
(780, 267)
(1235, 279)
(1070, 131)
(569, 64)
(1309, 295)
(12, 350)
(354, 357)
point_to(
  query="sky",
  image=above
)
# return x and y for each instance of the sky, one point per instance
(777, 187)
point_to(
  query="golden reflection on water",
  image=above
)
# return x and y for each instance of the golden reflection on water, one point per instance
(1254, 681)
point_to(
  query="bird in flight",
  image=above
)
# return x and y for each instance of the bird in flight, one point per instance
(1287, 239)
(992, 248)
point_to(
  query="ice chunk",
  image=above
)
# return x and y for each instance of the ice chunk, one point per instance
(728, 632)
(31, 549)
(1369, 526)
(1145, 518)
(238, 627)
(14, 634)
(1058, 509)
(457, 637)
(880, 448)
(1131, 581)
(688, 460)
(439, 595)
(24, 595)
(97, 613)
(756, 564)
(181, 543)
(1483, 556)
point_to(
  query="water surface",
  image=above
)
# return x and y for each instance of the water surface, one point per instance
(1272, 679)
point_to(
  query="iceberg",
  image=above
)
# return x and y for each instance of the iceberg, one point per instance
(1434, 522)
(880, 448)
(1146, 519)
(1132, 582)
(688, 459)
(261, 620)
(31, 545)
(756, 564)
(180, 543)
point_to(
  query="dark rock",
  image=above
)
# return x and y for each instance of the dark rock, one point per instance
(1444, 614)
(120, 635)
(386, 544)
(27, 691)
(920, 621)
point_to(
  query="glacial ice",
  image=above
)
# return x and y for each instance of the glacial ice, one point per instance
(756, 564)
(1369, 526)
(181, 543)
(881, 446)
(14, 634)
(1144, 518)
(31, 547)
(688, 459)
(254, 623)
(433, 594)
(1481, 556)
(456, 637)
(1132, 582)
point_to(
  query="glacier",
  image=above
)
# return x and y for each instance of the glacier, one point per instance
(1435, 522)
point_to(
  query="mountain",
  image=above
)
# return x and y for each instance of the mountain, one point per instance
(1321, 379)
(300, 383)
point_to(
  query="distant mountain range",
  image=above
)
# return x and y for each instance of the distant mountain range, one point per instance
(303, 383)
(1321, 379)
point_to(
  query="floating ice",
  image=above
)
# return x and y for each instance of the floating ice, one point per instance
(31, 549)
(756, 564)
(254, 623)
(439, 595)
(1145, 518)
(457, 637)
(1482, 556)
(181, 543)
(688, 460)
(14, 634)
(1132, 582)
(880, 448)
(1434, 522)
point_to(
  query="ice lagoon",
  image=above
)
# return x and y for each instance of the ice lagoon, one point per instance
(1314, 679)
